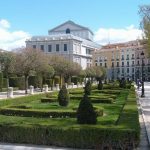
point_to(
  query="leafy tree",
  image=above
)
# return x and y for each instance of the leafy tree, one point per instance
(63, 67)
(28, 62)
(63, 96)
(87, 88)
(144, 12)
(85, 112)
(7, 61)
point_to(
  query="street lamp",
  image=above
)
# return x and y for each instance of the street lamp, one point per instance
(142, 94)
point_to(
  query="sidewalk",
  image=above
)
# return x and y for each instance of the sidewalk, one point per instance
(144, 117)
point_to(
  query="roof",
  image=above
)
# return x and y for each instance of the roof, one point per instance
(64, 37)
(71, 22)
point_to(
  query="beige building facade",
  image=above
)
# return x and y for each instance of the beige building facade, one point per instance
(123, 60)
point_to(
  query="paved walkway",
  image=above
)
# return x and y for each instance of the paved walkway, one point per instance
(144, 117)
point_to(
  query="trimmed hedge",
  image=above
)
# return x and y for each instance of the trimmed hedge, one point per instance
(37, 113)
(48, 100)
(102, 100)
(25, 112)
(107, 91)
(86, 137)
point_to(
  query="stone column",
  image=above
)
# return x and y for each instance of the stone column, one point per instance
(72, 85)
(66, 84)
(57, 87)
(78, 84)
(31, 89)
(82, 84)
(10, 92)
(45, 88)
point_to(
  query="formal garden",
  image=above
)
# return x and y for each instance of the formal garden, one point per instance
(100, 114)
(79, 118)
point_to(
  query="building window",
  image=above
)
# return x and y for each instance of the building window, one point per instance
(138, 62)
(117, 64)
(57, 47)
(122, 70)
(34, 46)
(127, 70)
(42, 47)
(128, 63)
(122, 57)
(112, 64)
(65, 47)
(132, 62)
(128, 57)
(132, 70)
(67, 31)
(122, 63)
(100, 64)
(105, 65)
(132, 56)
(95, 64)
(49, 48)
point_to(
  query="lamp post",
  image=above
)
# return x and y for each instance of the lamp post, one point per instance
(142, 92)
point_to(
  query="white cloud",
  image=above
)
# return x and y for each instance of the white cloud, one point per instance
(111, 35)
(10, 40)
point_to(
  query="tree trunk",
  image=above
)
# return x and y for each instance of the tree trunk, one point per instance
(26, 84)
(7, 78)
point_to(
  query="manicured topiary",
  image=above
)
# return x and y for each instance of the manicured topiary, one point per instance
(87, 88)
(100, 85)
(63, 96)
(122, 83)
(85, 112)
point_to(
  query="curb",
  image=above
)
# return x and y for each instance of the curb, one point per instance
(147, 126)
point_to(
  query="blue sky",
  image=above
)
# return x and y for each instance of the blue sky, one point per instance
(36, 17)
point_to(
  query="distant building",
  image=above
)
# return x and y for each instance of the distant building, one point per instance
(123, 60)
(70, 40)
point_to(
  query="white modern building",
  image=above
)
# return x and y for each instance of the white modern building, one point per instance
(70, 40)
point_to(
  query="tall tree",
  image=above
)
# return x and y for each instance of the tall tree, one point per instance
(28, 61)
(144, 12)
(7, 61)
(63, 67)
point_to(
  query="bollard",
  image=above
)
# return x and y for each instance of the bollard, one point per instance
(57, 87)
(31, 89)
(72, 85)
(78, 84)
(45, 88)
(82, 84)
(10, 92)
(66, 84)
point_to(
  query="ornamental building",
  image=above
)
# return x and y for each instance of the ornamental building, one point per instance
(69, 40)
(123, 60)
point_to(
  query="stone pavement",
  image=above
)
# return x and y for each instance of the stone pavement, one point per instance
(144, 117)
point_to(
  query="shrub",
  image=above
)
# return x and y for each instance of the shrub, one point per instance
(48, 100)
(37, 113)
(122, 83)
(85, 112)
(49, 82)
(63, 96)
(100, 85)
(17, 82)
(56, 80)
(87, 88)
(4, 83)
